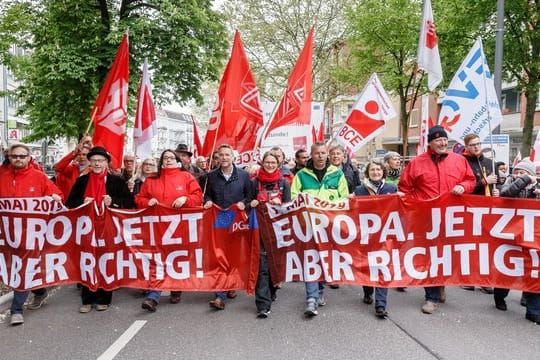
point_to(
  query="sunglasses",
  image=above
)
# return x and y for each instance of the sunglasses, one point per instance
(14, 156)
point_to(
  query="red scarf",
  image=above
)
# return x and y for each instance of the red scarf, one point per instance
(268, 178)
(96, 186)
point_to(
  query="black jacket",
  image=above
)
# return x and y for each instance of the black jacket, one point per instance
(478, 164)
(224, 192)
(115, 187)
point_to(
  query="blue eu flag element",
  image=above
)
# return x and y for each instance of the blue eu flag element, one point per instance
(224, 219)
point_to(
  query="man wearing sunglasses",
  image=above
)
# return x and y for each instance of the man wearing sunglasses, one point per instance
(21, 179)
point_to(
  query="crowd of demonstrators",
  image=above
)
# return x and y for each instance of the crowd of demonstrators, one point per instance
(147, 168)
(20, 179)
(482, 168)
(73, 165)
(374, 183)
(173, 187)
(522, 184)
(433, 173)
(268, 186)
(327, 182)
(227, 185)
(104, 188)
(301, 157)
(325, 173)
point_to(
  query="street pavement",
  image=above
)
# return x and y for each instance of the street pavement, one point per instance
(467, 327)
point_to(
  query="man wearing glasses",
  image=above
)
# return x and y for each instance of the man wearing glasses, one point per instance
(482, 168)
(20, 179)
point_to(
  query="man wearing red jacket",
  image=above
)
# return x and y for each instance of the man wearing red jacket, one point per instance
(20, 179)
(431, 174)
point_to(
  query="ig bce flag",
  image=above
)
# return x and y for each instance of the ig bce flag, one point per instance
(368, 116)
(470, 105)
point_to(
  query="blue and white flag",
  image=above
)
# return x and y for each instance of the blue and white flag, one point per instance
(470, 105)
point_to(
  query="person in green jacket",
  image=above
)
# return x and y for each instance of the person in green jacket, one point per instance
(325, 181)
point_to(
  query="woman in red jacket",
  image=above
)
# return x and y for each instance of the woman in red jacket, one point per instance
(171, 186)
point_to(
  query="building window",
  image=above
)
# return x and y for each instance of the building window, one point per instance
(511, 101)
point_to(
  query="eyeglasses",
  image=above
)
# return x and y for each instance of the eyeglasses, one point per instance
(149, 164)
(95, 161)
(17, 156)
(475, 144)
(169, 158)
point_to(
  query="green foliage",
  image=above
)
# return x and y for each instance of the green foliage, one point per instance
(73, 43)
(274, 33)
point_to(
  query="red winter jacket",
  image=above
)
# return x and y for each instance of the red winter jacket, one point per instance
(28, 182)
(169, 186)
(430, 175)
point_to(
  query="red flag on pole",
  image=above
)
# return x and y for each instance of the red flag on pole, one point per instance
(295, 105)
(237, 116)
(145, 117)
(110, 108)
(197, 146)
(428, 48)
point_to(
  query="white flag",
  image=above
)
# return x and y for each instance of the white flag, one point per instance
(429, 59)
(470, 105)
(368, 116)
(145, 127)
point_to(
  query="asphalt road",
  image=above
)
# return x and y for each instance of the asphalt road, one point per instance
(467, 327)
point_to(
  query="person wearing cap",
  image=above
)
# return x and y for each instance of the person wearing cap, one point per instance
(522, 184)
(105, 189)
(431, 174)
(482, 168)
(185, 155)
(20, 179)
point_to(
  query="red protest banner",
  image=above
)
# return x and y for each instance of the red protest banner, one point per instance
(388, 242)
(154, 248)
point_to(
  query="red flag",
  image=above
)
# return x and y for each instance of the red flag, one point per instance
(237, 116)
(428, 49)
(517, 159)
(110, 108)
(295, 105)
(145, 117)
(318, 135)
(368, 116)
(197, 146)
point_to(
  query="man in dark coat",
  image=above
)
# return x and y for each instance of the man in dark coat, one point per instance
(227, 185)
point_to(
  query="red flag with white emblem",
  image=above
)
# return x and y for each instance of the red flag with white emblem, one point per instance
(428, 48)
(368, 116)
(237, 116)
(295, 106)
(145, 117)
(110, 108)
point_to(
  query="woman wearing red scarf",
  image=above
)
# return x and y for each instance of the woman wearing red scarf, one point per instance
(101, 187)
(269, 186)
(171, 186)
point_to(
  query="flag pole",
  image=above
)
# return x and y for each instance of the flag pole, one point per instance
(87, 132)
(487, 106)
